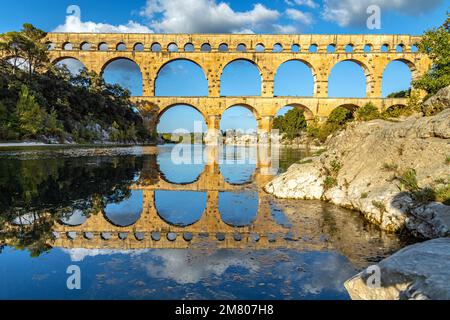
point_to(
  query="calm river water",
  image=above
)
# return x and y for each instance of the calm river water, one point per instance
(135, 223)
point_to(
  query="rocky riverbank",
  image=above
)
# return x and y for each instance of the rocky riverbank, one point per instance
(397, 174)
(389, 171)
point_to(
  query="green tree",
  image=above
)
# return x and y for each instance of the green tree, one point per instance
(340, 116)
(25, 48)
(292, 124)
(29, 113)
(368, 112)
(436, 43)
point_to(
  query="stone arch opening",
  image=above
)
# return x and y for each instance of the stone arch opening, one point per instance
(395, 110)
(349, 48)
(241, 77)
(397, 78)
(187, 210)
(67, 46)
(294, 69)
(206, 47)
(124, 72)
(309, 115)
(180, 116)
(126, 212)
(181, 78)
(368, 48)
(121, 46)
(331, 48)
(277, 48)
(349, 79)
(223, 47)
(260, 48)
(295, 48)
(189, 47)
(156, 47)
(313, 48)
(186, 174)
(238, 209)
(138, 47)
(85, 46)
(50, 46)
(75, 218)
(241, 48)
(74, 65)
(172, 47)
(103, 46)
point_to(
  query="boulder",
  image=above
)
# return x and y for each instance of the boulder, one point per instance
(417, 272)
(441, 100)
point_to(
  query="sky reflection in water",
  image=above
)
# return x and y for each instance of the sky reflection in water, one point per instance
(83, 189)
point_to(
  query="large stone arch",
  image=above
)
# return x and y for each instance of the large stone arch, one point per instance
(303, 61)
(247, 106)
(164, 109)
(107, 62)
(228, 62)
(364, 66)
(309, 114)
(166, 63)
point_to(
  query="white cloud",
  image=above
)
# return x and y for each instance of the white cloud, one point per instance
(353, 12)
(307, 3)
(300, 16)
(208, 16)
(74, 24)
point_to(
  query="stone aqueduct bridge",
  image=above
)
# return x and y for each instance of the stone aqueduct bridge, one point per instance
(214, 52)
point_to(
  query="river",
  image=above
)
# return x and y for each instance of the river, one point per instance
(145, 223)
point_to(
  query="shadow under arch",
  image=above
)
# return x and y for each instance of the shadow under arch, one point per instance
(127, 212)
(167, 63)
(303, 62)
(180, 208)
(349, 106)
(239, 209)
(368, 75)
(229, 63)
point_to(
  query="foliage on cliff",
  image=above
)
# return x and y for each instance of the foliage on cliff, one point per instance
(41, 101)
(436, 44)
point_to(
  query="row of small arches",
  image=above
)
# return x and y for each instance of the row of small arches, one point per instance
(158, 236)
(206, 47)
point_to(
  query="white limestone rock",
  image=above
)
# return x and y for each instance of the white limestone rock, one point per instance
(417, 272)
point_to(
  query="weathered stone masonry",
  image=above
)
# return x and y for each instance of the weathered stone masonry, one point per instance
(213, 60)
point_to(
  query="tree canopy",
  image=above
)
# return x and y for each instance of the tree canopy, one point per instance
(436, 44)
(39, 100)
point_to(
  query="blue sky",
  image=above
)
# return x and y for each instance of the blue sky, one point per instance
(232, 16)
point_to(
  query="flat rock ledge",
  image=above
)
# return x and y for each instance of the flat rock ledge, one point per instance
(417, 272)
(359, 167)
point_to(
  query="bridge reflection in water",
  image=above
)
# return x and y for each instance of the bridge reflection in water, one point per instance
(164, 214)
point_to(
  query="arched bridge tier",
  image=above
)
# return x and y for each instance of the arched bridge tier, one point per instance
(212, 53)
(264, 109)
